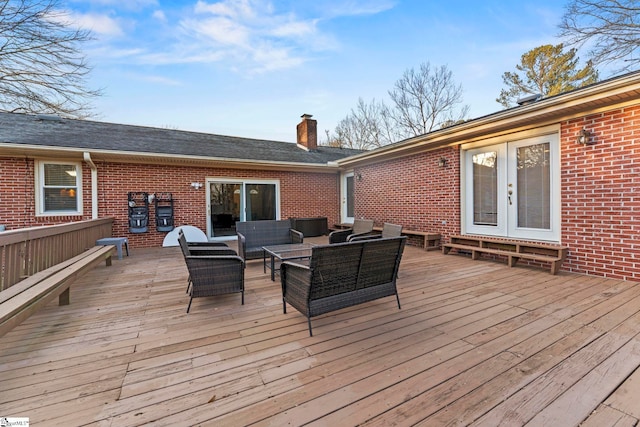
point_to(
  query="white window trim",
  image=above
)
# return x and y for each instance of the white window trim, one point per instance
(343, 198)
(39, 186)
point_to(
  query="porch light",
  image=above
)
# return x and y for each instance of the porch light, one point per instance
(584, 137)
(197, 185)
(442, 162)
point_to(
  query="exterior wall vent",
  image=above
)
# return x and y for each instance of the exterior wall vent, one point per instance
(529, 99)
(49, 118)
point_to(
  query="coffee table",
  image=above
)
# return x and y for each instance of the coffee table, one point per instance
(284, 253)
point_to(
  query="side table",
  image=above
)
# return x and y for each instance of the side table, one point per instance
(117, 241)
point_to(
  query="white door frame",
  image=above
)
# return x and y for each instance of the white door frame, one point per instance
(344, 216)
(506, 148)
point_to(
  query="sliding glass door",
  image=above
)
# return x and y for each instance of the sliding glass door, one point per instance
(240, 200)
(260, 202)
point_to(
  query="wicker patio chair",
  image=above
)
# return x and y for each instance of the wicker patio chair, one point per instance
(360, 227)
(200, 249)
(388, 230)
(215, 275)
(200, 244)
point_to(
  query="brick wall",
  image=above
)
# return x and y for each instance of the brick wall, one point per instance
(600, 187)
(601, 194)
(301, 195)
(414, 191)
(17, 196)
(16, 192)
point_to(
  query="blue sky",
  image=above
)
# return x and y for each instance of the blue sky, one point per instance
(251, 68)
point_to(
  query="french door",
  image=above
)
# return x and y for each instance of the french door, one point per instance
(512, 189)
(347, 209)
(240, 200)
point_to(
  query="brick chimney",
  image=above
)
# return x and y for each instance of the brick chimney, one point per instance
(308, 132)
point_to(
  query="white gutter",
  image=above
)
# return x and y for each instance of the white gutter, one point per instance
(94, 184)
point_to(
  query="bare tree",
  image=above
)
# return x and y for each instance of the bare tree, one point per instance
(609, 28)
(423, 101)
(426, 99)
(546, 70)
(42, 69)
(365, 127)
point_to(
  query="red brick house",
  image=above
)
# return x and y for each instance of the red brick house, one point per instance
(58, 170)
(564, 169)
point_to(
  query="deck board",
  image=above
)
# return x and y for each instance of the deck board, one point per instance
(474, 344)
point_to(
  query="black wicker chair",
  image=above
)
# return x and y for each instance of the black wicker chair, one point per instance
(341, 275)
(202, 248)
(215, 275)
(361, 227)
(388, 230)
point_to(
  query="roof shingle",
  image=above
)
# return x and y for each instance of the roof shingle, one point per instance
(35, 130)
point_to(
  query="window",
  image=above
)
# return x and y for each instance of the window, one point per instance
(58, 189)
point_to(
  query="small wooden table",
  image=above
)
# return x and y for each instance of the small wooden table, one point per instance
(284, 253)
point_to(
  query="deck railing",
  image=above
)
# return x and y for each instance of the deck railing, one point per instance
(26, 251)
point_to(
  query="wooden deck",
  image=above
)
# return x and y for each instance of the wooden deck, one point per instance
(475, 343)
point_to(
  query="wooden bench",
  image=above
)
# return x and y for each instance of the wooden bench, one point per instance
(513, 251)
(24, 298)
(430, 241)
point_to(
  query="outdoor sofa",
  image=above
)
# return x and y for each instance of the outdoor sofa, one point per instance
(341, 275)
(253, 235)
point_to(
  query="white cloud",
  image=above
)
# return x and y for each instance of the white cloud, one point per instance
(219, 30)
(252, 31)
(161, 80)
(271, 59)
(128, 4)
(159, 15)
(182, 56)
(251, 35)
(237, 9)
(97, 23)
(107, 52)
(294, 29)
(355, 7)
